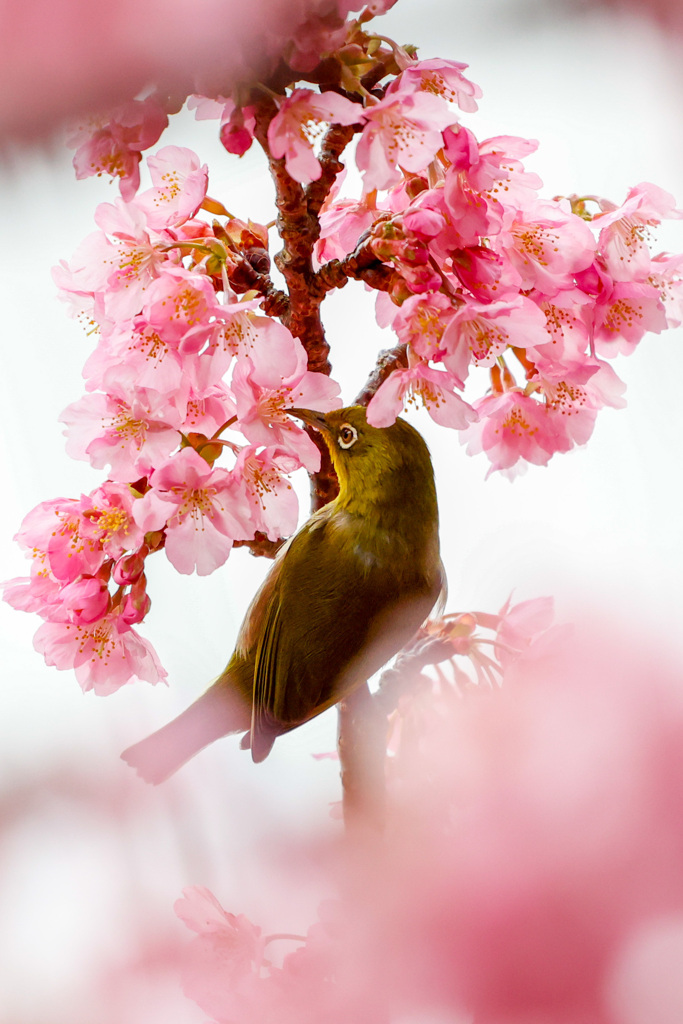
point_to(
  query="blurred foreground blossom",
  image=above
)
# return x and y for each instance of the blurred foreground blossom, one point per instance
(531, 869)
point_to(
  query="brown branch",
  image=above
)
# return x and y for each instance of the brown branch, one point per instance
(388, 360)
(362, 741)
(260, 545)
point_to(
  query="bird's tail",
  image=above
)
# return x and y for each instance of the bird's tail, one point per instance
(216, 713)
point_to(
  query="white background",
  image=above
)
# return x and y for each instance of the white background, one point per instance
(91, 860)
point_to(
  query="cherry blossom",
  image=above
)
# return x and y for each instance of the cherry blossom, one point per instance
(271, 497)
(60, 537)
(180, 184)
(435, 389)
(104, 655)
(130, 435)
(480, 332)
(198, 507)
(547, 245)
(513, 426)
(262, 398)
(624, 314)
(440, 78)
(623, 231)
(113, 145)
(402, 130)
(297, 125)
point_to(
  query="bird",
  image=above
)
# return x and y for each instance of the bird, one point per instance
(343, 596)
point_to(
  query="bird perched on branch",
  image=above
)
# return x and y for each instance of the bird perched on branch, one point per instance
(342, 597)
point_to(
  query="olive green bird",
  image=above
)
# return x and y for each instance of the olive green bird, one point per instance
(342, 597)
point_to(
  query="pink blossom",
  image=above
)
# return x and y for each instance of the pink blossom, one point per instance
(262, 395)
(623, 234)
(574, 398)
(401, 131)
(513, 426)
(440, 78)
(130, 435)
(435, 389)
(520, 624)
(207, 411)
(200, 510)
(547, 245)
(271, 498)
(60, 537)
(483, 180)
(487, 274)
(35, 593)
(135, 355)
(421, 321)
(179, 301)
(105, 654)
(221, 971)
(83, 601)
(666, 275)
(114, 265)
(241, 332)
(113, 144)
(342, 222)
(480, 332)
(624, 314)
(109, 511)
(568, 316)
(180, 184)
(297, 125)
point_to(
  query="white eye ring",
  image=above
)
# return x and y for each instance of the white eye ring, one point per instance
(348, 435)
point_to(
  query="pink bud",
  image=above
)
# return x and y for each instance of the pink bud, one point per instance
(129, 568)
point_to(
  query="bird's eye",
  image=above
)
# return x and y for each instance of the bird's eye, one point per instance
(348, 435)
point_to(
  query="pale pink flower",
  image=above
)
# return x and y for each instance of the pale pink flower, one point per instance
(547, 245)
(666, 275)
(342, 222)
(624, 314)
(624, 230)
(199, 508)
(511, 427)
(262, 395)
(114, 265)
(131, 434)
(574, 398)
(300, 122)
(113, 144)
(135, 355)
(241, 332)
(520, 624)
(568, 317)
(479, 332)
(105, 655)
(420, 383)
(401, 131)
(35, 593)
(208, 411)
(109, 511)
(421, 321)
(59, 536)
(180, 184)
(221, 970)
(270, 496)
(484, 179)
(440, 78)
(179, 301)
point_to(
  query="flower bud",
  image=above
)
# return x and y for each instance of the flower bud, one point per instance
(129, 568)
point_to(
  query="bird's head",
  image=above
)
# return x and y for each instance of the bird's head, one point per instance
(381, 464)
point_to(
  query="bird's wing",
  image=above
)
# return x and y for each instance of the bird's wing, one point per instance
(332, 617)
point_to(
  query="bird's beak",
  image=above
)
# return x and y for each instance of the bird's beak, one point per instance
(309, 416)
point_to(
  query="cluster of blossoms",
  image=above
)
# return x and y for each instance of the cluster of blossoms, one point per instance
(472, 268)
